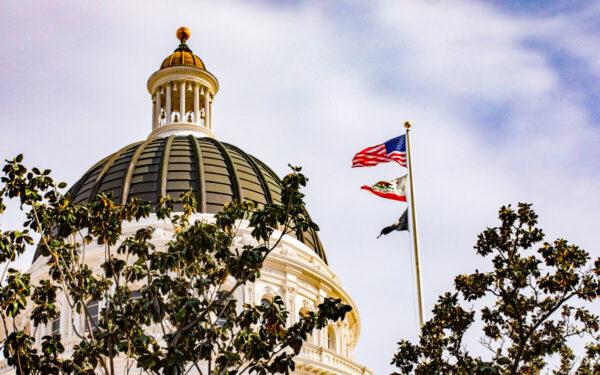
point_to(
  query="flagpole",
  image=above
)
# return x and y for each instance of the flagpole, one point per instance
(414, 227)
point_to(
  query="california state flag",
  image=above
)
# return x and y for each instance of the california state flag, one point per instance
(394, 189)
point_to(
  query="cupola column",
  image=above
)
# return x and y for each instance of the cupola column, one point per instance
(197, 104)
(159, 105)
(182, 102)
(154, 116)
(168, 103)
(210, 113)
(157, 108)
(206, 108)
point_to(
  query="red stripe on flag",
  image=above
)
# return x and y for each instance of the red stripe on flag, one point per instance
(391, 196)
(367, 163)
(373, 148)
(371, 157)
(380, 156)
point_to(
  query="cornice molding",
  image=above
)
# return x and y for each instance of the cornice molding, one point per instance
(187, 73)
(173, 128)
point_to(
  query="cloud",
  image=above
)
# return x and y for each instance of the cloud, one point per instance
(496, 118)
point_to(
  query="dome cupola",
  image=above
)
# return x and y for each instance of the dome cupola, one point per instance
(182, 92)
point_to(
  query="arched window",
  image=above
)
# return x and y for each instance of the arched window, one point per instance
(189, 116)
(331, 338)
(162, 117)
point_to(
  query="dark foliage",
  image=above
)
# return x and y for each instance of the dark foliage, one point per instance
(532, 301)
(184, 290)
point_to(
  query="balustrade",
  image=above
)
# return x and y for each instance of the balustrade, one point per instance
(332, 360)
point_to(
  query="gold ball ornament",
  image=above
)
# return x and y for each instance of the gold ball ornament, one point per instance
(183, 34)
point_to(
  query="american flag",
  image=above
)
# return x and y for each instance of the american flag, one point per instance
(392, 150)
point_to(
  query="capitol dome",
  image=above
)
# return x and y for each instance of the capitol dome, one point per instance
(216, 172)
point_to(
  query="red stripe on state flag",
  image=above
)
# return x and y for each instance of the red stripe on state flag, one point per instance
(392, 196)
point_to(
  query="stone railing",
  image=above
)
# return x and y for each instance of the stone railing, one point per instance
(311, 356)
(331, 362)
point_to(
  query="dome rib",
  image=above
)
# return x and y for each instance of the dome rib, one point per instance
(105, 168)
(200, 178)
(82, 181)
(237, 189)
(259, 174)
(130, 169)
(164, 168)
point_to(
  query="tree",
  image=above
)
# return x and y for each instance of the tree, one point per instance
(188, 288)
(532, 301)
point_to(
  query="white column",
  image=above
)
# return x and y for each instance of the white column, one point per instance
(206, 94)
(158, 105)
(182, 101)
(154, 116)
(210, 113)
(197, 103)
(168, 104)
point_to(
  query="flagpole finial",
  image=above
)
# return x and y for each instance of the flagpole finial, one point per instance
(407, 125)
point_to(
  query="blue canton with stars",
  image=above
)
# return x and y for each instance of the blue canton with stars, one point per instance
(396, 144)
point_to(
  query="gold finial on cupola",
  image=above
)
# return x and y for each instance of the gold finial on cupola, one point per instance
(183, 34)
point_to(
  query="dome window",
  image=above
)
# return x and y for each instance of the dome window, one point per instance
(93, 313)
(331, 338)
(55, 325)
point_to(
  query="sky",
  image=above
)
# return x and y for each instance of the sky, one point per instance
(503, 97)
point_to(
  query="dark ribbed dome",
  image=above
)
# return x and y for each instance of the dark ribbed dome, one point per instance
(217, 172)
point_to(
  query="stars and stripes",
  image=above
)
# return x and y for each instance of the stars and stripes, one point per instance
(392, 150)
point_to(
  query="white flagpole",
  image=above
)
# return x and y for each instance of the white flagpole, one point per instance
(414, 228)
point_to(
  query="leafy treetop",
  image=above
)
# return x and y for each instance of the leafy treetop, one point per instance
(532, 301)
